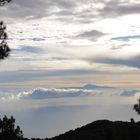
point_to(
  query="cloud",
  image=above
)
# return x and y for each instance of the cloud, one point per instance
(42, 93)
(91, 35)
(129, 92)
(62, 10)
(26, 9)
(119, 8)
(126, 93)
(118, 47)
(68, 92)
(35, 9)
(81, 11)
(27, 75)
(130, 62)
(87, 90)
(38, 39)
(72, 53)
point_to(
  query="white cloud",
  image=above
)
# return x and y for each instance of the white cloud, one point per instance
(53, 93)
(43, 93)
(69, 92)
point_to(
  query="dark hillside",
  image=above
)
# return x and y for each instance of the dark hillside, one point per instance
(104, 130)
(98, 130)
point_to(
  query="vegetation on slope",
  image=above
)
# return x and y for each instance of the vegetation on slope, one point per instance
(98, 130)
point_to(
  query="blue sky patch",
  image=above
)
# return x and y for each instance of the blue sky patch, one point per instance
(126, 38)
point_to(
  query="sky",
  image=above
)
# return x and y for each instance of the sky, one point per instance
(58, 48)
(60, 43)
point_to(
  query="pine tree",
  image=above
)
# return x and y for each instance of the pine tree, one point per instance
(137, 107)
(4, 48)
(8, 130)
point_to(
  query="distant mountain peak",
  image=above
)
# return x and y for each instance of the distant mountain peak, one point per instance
(90, 87)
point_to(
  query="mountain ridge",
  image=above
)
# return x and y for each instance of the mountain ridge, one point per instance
(90, 87)
(103, 130)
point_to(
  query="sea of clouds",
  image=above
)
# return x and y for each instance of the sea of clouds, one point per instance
(47, 93)
(46, 112)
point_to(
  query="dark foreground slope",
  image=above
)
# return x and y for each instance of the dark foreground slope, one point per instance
(98, 130)
(104, 130)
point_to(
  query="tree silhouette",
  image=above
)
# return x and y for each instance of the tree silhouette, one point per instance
(4, 48)
(137, 107)
(8, 130)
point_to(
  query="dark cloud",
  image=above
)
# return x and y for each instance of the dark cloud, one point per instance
(67, 9)
(84, 16)
(131, 62)
(110, 9)
(30, 9)
(119, 8)
(20, 9)
(28, 75)
(91, 35)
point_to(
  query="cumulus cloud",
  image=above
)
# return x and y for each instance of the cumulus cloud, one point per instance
(43, 93)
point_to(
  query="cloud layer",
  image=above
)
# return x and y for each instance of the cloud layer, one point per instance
(69, 92)
(42, 93)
